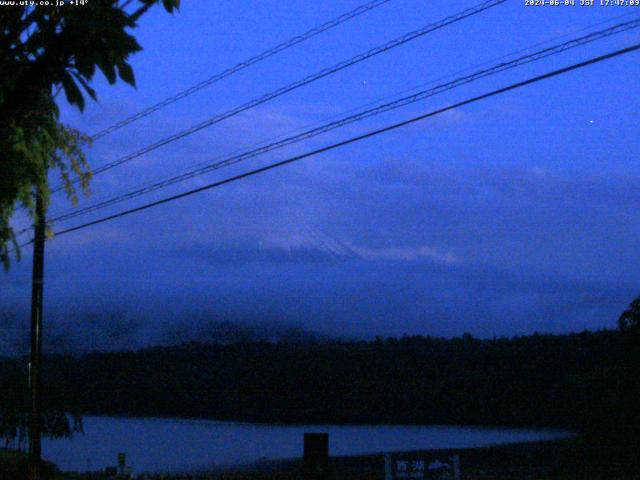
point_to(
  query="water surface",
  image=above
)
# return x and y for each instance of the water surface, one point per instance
(173, 445)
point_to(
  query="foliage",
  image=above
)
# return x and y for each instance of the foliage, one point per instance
(629, 321)
(14, 465)
(576, 381)
(45, 50)
(59, 418)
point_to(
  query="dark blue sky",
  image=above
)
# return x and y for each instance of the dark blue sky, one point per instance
(514, 215)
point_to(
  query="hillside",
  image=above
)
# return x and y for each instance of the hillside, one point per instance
(580, 381)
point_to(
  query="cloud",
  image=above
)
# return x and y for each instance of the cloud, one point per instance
(350, 297)
(362, 245)
(407, 254)
(307, 246)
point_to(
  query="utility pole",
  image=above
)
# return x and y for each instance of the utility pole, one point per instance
(35, 360)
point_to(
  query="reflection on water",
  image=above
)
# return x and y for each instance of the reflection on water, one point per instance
(171, 445)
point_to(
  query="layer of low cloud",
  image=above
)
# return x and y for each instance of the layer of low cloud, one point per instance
(366, 250)
(429, 231)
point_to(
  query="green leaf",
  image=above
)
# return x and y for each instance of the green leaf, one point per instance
(171, 5)
(71, 44)
(71, 90)
(126, 73)
(90, 91)
(108, 70)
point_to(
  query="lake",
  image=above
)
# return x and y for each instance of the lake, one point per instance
(174, 445)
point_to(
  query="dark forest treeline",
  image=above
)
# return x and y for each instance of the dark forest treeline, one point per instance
(580, 381)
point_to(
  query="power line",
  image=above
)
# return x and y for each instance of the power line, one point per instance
(241, 66)
(150, 187)
(422, 95)
(387, 46)
(297, 84)
(395, 126)
(368, 104)
(404, 91)
(228, 72)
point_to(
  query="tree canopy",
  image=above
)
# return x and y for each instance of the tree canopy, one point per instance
(578, 381)
(629, 321)
(45, 50)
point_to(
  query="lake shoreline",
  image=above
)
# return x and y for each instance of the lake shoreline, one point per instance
(576, 458)
(210, 445)
(342, 423)
(570, 458)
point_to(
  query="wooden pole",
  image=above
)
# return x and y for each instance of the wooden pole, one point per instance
(35, 360)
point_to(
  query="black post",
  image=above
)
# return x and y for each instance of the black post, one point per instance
(316, 456)
(35, 380)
